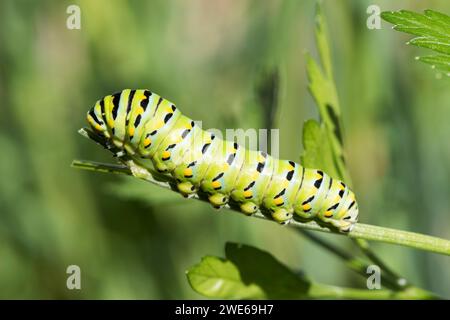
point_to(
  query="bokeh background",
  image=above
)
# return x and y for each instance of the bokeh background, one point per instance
(133, 240)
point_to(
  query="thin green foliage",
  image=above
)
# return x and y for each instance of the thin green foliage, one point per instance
(432, 30)
(323, 142)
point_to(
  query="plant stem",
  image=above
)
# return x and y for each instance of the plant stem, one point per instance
(354, 263)
(400, 237)
(101, 167)
(322, 291)
(360, 231)
(365, 248)
(387, 235)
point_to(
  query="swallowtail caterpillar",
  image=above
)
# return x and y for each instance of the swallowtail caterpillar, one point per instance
(154, 134)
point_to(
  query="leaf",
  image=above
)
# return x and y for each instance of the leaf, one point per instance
(317, 149)
(431, 44)
(247, 273)
(439, 62)
(218, 278)
(323, 148)
(432, 30)
(321, 33)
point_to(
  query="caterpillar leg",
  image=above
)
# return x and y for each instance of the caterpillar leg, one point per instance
(218, 200)
(160, 166)
(248, 208)
(281, 215)
(186, 188)
(343, 226)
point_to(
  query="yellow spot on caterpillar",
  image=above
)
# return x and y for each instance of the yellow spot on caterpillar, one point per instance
(248, 193)
(147, 142)
(131, 131)
(165, 154)
(328, 213)
(187, 172)
(278, 200)
(216, 184)
(306, 207)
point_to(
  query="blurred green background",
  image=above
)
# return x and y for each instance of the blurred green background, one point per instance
(133, 240)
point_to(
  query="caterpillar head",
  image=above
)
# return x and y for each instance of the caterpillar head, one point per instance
(102, 119)
(281, 215)
(96, 119)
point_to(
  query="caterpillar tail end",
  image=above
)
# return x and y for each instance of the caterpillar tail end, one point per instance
(218, 200)
(346, 224)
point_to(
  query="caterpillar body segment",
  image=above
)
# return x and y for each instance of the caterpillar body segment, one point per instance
(254, 178)
(154, 133)
(195, 162)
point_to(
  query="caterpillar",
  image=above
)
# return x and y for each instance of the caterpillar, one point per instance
(155, 134)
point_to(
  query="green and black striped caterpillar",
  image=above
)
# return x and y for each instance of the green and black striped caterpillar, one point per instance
(154, 133)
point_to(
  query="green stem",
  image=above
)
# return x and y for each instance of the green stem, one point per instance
(354, 263)
(400, 237)
(389, 280)
(322, 291)
(101, 167)
(400, 282)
